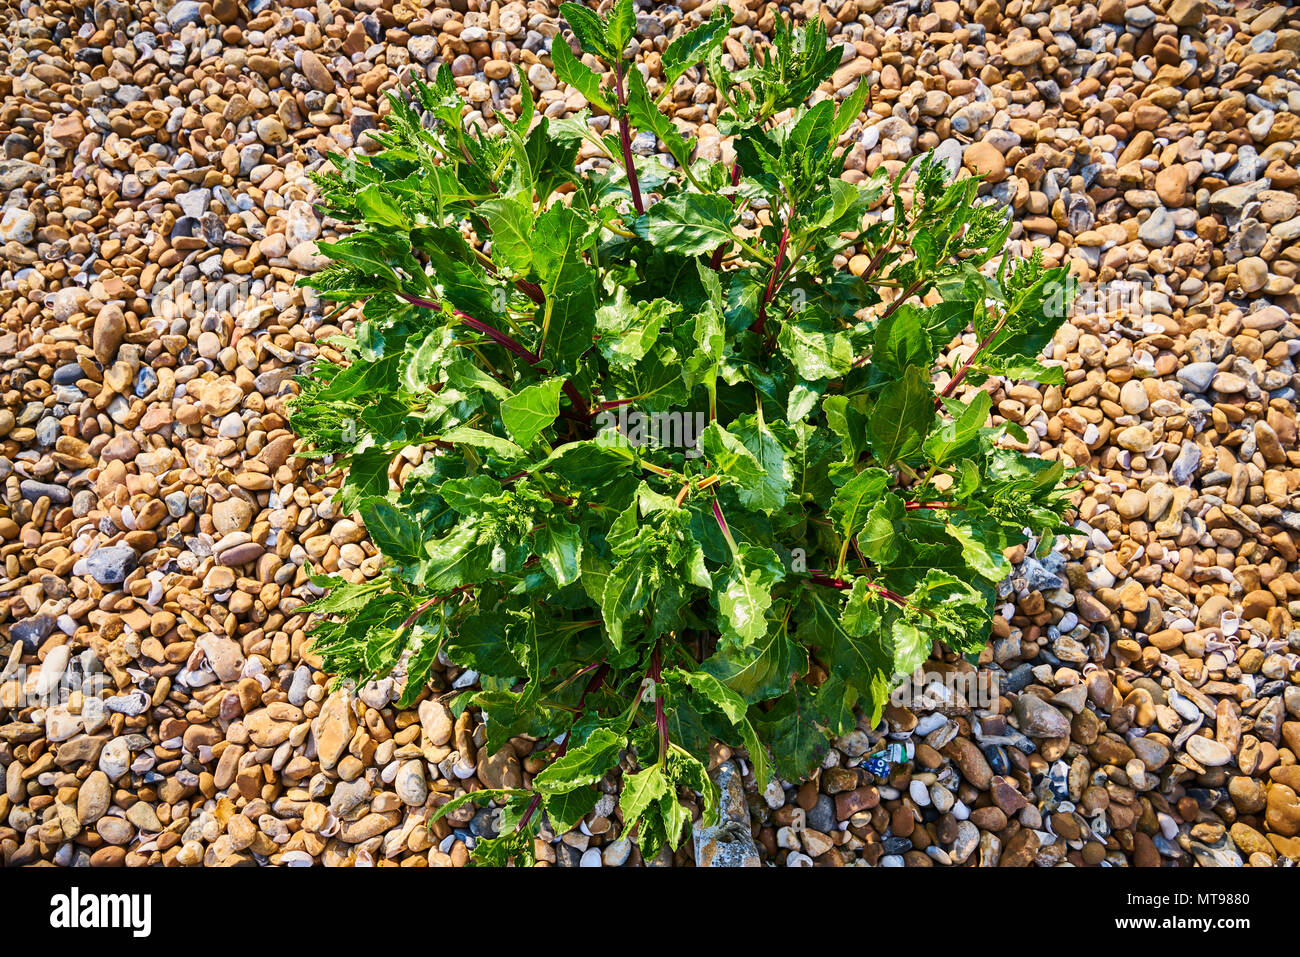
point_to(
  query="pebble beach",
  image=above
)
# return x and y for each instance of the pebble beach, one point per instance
(157, 529)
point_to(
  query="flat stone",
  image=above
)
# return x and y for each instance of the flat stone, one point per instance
(110, 566)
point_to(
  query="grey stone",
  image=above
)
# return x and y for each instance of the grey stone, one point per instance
(32, 490)
(184, 13)
(1186, 464)
(1198, 375)
(1038, 719)
(110, 566)
(30, 632)
(822, 816)
(729, 843)
(16, 173)
(1158, 230)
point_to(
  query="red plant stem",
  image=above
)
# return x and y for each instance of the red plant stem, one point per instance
(830, 581)
(789, 271)
(935, 505)
(509, 344)
(818, 577)
(715, 263)
(893, 596)
(592, 685)
(905, 295)
(500, 338)
(768, 293)
(424, 606)
(613, 404)
(876, 260)
(722, 523)
(625, 139)
(579, 403)
(420, 609)
(661, 720)
(965, 366)
(531, 290)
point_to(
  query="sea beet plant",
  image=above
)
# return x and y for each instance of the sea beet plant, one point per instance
(636, 454)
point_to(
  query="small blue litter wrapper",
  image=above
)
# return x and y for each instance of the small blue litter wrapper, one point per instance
(877, 766)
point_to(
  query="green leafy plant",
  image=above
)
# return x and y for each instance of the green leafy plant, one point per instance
(816, 521)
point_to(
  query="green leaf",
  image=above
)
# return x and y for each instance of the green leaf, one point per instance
(641, 791)
(852, 502)
(911, 647)
(468, 377)
(689, 224)
(834, 702)
(626, 593)
(959, 438)
(862, 657)
(480, 643)
(591, 31)
(567, 810)
(646, 115)
(572, 71)
(589, 464)
(746, 594)
(1022, 367)
(459, 558)
(773, 454)
(531, 410)
(559, 545)
(901, 417)
(511, 222)
(627, 330)
(797, 740)
(900, 341)
(621, 26)
(694, 46)
(582, 765)
(815, 351)
(379, 209)
(392, 533)
(761, 670)
(484, 440)
(566, 280)
(988, 561)
(729, 456)
(880, 533)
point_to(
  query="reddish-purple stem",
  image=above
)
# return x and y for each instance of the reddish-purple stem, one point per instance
(768, 293)
(531, 290)
(722, 522)
(625, 140)
(661, 721)
(612, 404)
(509, 344)
(818, 577)
(966, 366)
(592, 685)
(830, 581)
(906, 295)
